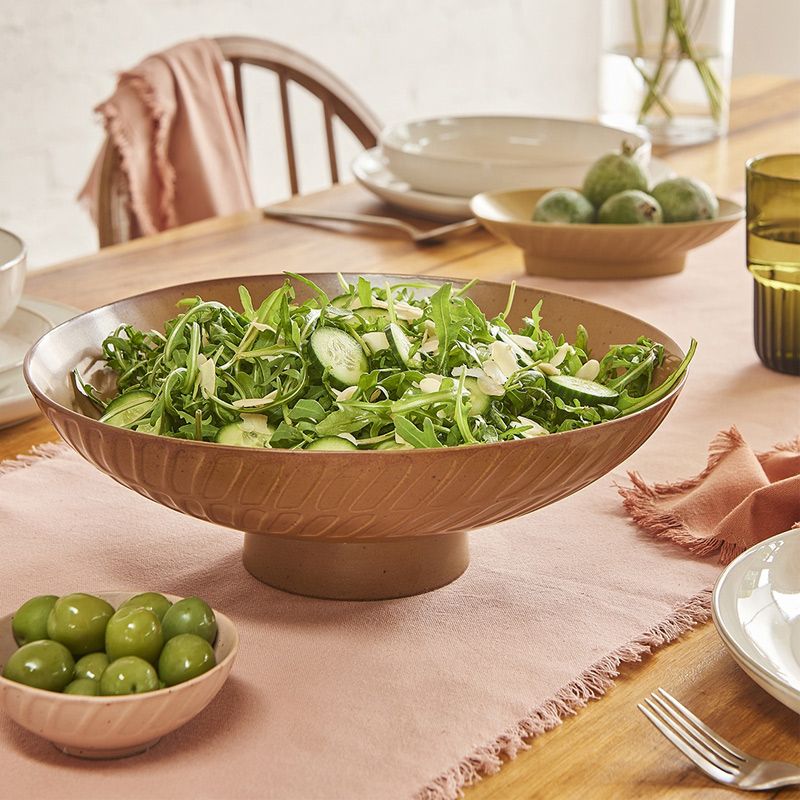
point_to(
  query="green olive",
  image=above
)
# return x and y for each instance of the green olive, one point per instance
(190, 615)
(30, 621)
(128, 675)
(84, 686)
(134, 632)
(43, 664)
(91, 666)
(152, 601)
(184, 657)
(79, 621)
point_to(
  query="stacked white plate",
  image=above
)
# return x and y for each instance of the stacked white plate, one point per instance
(756, 608)
(433, 167)
(30, 320)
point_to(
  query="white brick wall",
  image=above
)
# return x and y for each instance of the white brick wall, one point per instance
(58, 58)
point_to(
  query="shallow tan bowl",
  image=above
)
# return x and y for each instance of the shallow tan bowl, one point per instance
(595, 251)
(113, 727)
(375, 524)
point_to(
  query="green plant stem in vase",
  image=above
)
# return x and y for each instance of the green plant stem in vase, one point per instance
(676, 44)
(666, 65)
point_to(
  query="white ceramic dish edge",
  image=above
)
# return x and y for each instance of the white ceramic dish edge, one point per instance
(774, 684)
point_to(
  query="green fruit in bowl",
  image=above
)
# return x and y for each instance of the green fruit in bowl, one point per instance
(184, 657)
(686, 200)
(630, 208)
(91, 666)
(134, 632)
(611, 174)
(43, 664)
(129, 675)
(152, 601)
(79, 622)
(84, 686)
(190, 615)
(29, 623)
(563, 206)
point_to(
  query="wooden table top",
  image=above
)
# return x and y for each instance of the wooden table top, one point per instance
(608, 750)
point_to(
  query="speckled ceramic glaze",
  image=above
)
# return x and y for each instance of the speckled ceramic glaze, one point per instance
(342, 524)
(112, 727)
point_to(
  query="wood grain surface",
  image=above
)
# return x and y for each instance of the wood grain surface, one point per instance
(608, 750)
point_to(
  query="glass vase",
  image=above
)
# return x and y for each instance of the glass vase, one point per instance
(666, 65)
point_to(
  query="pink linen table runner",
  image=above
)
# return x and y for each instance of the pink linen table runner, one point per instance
(419, 696)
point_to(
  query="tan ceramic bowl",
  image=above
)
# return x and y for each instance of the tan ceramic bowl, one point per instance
(595, 251)
(113, 727)
(362, 525)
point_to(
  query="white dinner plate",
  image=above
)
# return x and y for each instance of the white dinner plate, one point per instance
(371, 171)
(756, 608)
(18, 334)
(33, 319)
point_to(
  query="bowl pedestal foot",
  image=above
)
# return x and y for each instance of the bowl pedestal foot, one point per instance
(99, 755)
(356, 570)
(603, 270)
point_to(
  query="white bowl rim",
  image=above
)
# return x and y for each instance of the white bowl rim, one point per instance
(733, 216)
(385, 142)
(732, 645)
(19, 257)
(132, 698)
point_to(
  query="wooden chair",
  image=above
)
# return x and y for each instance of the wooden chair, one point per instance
(114, 221)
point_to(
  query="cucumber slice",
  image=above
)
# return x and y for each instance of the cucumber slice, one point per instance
(252, 431)
(340, 354)
(401, 345)
(345, 301)
(373, 316)
(331, 443)
(128, 408)
(591, 393)
(390, 444)
(478, 401)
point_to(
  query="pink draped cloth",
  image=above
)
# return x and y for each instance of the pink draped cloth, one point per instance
(180, 139)
(738, 500)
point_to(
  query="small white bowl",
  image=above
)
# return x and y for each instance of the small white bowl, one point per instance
(12, 273)
(464, 156)
(114, 727)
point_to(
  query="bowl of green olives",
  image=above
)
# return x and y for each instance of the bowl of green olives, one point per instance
(107, 675)
(616, 225)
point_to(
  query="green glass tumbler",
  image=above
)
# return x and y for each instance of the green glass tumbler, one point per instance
(773, 258)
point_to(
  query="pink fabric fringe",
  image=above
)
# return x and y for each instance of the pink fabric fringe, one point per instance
(592, 684)
(640, 500)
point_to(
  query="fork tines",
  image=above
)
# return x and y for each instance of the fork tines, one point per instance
(716, 756)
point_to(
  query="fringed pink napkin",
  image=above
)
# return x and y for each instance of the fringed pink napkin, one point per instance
(180, 139)
(738, 500)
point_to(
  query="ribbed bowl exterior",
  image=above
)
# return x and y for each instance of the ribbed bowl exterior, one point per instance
(595, 251)
(103, 724)
(339, 495)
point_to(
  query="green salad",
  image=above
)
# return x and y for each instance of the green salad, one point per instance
(375, 368)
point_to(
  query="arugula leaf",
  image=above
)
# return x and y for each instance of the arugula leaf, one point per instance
(411, 434)
(286, 437)
(346, 420)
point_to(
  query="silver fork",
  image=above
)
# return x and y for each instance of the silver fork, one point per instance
(717, 757)
(416, 235)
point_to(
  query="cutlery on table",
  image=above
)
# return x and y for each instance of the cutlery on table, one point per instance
(415, 234)
(717, 757)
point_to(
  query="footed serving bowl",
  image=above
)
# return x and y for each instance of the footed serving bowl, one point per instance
(594, 250)
(366, 525)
